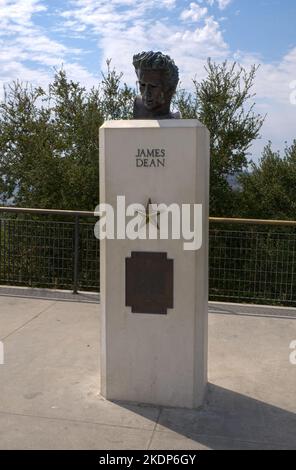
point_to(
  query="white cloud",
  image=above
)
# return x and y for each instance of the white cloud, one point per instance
(194, 13)
(22, 42)
(120, 28)
(209, 35)
(104, 15)
(122, 32)
(222, 4)
(19, 12)
(272, 88)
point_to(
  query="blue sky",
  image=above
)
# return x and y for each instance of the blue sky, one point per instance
(38, 35)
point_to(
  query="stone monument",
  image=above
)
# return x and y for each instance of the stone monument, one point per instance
(154, 291)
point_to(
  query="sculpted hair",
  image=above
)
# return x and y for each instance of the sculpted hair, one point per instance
(158, 61)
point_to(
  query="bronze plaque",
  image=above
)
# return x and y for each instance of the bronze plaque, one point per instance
(149, 282)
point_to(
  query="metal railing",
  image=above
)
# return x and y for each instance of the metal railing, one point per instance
(249, 260)
(252, 261)
(51, 248)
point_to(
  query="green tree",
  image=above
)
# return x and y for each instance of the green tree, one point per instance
(117, 100)
(221, 102)
(24, 140)
(269, 189)
(77, 116)
(49, 140)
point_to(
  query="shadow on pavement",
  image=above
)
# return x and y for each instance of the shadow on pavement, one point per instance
(228, 420)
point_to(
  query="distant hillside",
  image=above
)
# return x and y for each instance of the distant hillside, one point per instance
(233, 181)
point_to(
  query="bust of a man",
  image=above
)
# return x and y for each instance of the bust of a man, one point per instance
(158, 78)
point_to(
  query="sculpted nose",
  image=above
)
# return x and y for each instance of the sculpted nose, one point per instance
(148, 91)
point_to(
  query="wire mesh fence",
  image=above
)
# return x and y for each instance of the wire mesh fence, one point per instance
(247, 263)
(253, 264)
(89, 261)
(59, 254)
(36, 253)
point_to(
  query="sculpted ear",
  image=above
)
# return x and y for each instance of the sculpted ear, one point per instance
(170, 93)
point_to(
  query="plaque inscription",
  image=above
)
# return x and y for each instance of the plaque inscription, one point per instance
(149, 282)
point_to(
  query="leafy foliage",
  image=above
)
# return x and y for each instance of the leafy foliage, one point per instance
(269, 190)
(220, 102)
(117, 102)
(49, 140)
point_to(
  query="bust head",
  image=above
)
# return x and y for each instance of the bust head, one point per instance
(158, 78)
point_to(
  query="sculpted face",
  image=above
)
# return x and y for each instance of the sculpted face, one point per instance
(152, 89)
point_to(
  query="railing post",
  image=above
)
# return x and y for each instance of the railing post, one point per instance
(76, 256)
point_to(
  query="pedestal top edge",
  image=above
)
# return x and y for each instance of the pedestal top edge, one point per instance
(152, 123)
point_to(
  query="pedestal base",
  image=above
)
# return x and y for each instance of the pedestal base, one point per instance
(157, 358)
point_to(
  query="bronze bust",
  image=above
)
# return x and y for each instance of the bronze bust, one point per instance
(158, 79)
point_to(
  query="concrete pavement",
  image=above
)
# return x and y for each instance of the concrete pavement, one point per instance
(49, 383)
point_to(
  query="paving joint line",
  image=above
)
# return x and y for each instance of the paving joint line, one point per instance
(219, 437)
(247, 314)
(154, 428)
(29, 321)
(69, 420)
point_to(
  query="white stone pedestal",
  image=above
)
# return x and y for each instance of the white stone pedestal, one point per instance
(150, 358)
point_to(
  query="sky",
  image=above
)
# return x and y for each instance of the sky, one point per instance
(37, 36)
